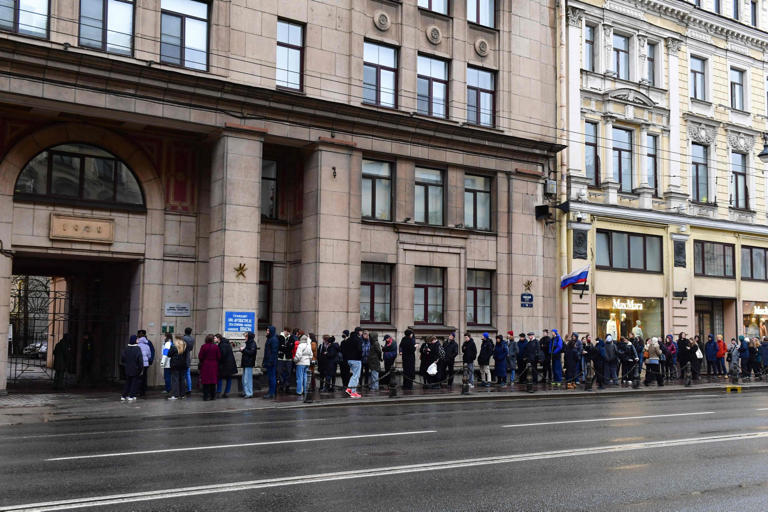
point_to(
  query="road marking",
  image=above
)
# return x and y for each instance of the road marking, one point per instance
(593, 420)
(240, 445)
(118, 499)
(762, 409)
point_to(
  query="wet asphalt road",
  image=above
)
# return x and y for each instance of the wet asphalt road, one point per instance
(666, 452)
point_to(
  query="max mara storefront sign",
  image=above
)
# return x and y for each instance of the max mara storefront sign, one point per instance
(627, 305)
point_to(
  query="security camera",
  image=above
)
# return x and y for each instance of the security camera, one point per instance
(579, 217)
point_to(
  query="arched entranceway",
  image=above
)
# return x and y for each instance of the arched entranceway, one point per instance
(82, 217)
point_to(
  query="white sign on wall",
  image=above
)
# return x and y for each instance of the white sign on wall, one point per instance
(178, 309)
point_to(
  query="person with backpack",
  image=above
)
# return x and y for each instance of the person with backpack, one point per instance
(500, 353)
(247, 362)
(177, 356)
(148, 352)
(227, 366)
(468, 356)
(611, 362)
(484, 360)
(132, 361)
(302, 359)
(451, 349)
(653, 370)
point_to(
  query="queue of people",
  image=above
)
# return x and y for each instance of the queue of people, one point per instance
(295, 361)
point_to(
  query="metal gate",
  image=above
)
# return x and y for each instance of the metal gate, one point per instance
(39, 311)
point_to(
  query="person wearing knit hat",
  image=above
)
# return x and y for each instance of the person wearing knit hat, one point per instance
(451, 349)
(484, 360)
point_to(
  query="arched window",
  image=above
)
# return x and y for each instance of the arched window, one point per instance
(77, 174)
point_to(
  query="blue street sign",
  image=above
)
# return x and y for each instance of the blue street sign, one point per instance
(239, 321)
(526, 300)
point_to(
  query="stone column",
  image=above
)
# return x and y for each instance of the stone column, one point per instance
(673, 47)
(609, 182)
(235, 224)
(575, 122)
(608, 64)
(330, 255)
(645, 190)
(642, 59)
(6, 269)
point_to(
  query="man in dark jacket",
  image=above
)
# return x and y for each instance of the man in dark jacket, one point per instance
(522, 345)
(469, 354)
(611, 362)
(546, 356)
(432, 353)
(270, 360)
(484, 360)
(63, 354)
(285, 342)
(352, 350)
(451, 349)
(132, 362)
(343, 366)
(190, 341)
(408, 356)
(227, 366)
(373, 360)
(389, 351)
(533, 355)
(247, 362)
(327, 356)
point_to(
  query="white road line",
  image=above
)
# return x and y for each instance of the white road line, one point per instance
(593, 420)
(118, 499)
(240, 445)
(763, 409)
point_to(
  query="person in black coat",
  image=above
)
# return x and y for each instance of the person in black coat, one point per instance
(432, 353)
(132, 362)
(327, 356)
(451, 349)
(344, 370)
(468, 356)
(227, 366)
(408, 356)
(247, 362)
(484, 360)
(178, 362)
(389, 351)
(533, 355)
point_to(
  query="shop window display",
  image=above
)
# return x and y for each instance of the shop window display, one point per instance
(755, 319)
(625, 316)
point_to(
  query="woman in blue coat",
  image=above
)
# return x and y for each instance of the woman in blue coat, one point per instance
(500, 353)
(710, 351)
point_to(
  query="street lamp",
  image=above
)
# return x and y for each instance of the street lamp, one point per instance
(763, 156)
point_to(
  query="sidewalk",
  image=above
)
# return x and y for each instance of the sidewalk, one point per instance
(44, 407)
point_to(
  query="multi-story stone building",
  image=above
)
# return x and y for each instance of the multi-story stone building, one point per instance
(668, 199)
(312, 163)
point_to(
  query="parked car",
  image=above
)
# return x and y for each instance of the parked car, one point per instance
(32, 349)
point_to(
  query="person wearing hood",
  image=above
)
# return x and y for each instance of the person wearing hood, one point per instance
(227, 366)
(247, 362)
(269, 361)
(374, 360)
(468, 356)
(710, 350)
(208, 358)
(500, 353)
(302, 359)
(611, 361)
(132, 361)
(352, 350)
(147, 354)
(389, 353)
(408, 356)
(63, 354)
(484, 360)
(652, 368)
(556, 356)
(722, 351)
(744, 356)
(327, 356)
(451, 349)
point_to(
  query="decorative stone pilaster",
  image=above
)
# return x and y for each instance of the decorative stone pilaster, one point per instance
(608, 50)
(673, 47)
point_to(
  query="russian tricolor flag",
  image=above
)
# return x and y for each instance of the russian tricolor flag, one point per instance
(575, 277)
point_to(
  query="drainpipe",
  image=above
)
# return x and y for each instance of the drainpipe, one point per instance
(562, 136)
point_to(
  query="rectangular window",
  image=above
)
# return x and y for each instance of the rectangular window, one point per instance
(622, 158)
(753, 263)
(591, 156)
(713, 259)
(428, 207)
(379, 75)
(440, 6)
(479, 297)
(651, 59)
(269, 189)
(628, 251)
(753, 13)
(375, 293)
(290, 55)
(27, 17)
(265, 292)
(481, 94)
(737, 89)
(740, 198)
(107, 25)
(718, 7)
(700, 173)
(697, 3)
(621, 56)
(477, 202)
(377, 190)
(481, 12)
(652, 162)
(184, 33)
(428, 295)
(736, 9)
(432, 86)
(698, 70)
(589, 48)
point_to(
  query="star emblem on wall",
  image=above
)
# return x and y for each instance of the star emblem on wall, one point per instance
(240, 270)
(527, 285)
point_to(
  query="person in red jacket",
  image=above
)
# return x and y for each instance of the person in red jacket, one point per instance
(722, 350)
(209, 367)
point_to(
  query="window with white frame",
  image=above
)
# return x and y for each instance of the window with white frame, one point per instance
(622, 158)
(753, 13)
(652, 162)
(718, 7)
(290, 55)
(698, 78)
(739, 194)
(440, 6)
(621, 56)
(481, 12)
(700, 173)
(589, 47)
(651, 62)
(736, 9)
(737, 89)
(591, 154)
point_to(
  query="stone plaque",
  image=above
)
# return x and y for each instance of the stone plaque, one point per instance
(82, 229)
(679, 253)
(579, 244)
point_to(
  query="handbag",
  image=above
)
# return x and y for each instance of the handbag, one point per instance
(646, 355)
(432, 369)
(699, 355)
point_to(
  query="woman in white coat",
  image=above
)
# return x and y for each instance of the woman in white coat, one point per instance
(303, 358)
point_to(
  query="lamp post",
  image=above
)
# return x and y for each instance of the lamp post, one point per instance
(763, 156)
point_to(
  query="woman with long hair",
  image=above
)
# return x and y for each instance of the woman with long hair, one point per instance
(177, 356)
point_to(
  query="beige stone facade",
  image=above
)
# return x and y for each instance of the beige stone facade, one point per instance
(199, 141)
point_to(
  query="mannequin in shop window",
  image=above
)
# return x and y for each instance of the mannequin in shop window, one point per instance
(637, 330)
(752, 329)
(763, 329)
(611, 326)
(624, 325)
